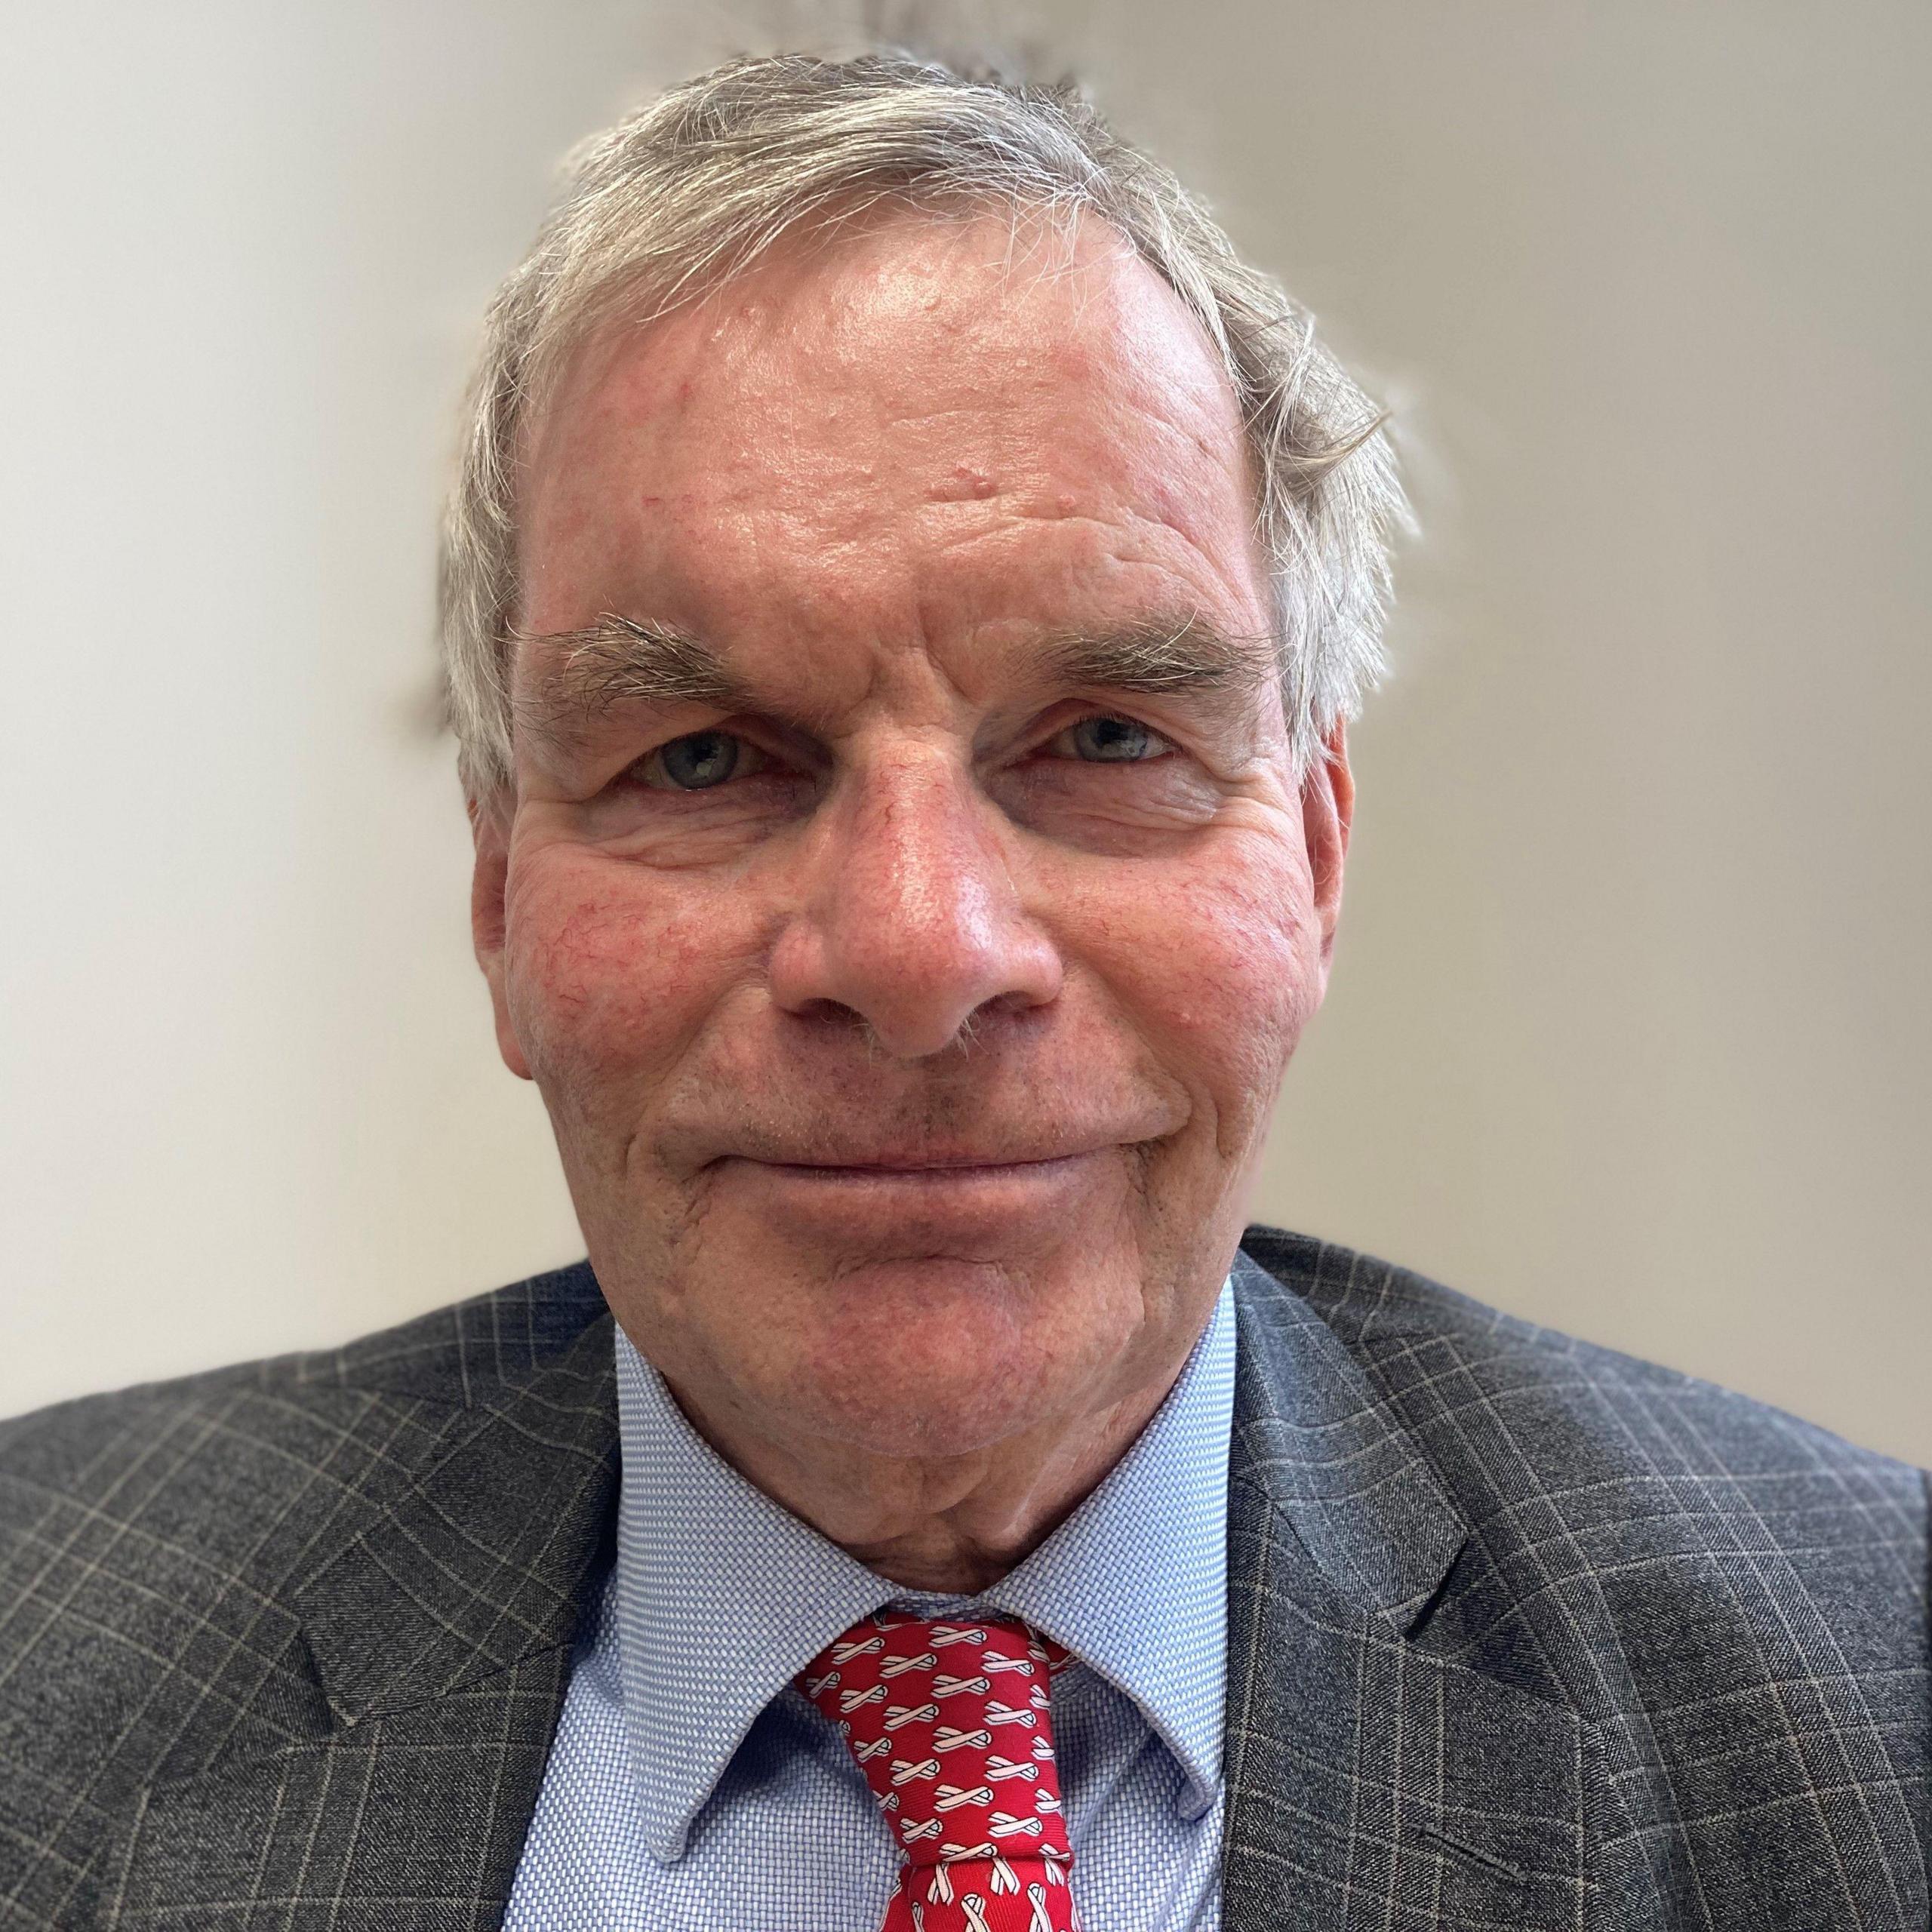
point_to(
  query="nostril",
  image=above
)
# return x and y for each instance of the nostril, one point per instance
(919, 1030)
(832, 1013)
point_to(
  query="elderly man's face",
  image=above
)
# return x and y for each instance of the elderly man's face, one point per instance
(905, 907)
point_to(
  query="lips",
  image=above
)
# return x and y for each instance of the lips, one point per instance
(934, 1181)
(1011, 1129)
(855, 1151)
(967, 1210)
(913, 1162)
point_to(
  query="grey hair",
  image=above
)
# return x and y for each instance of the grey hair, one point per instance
(697, 186)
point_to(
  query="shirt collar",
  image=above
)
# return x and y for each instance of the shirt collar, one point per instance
(1135, 1581)
(723, 1595)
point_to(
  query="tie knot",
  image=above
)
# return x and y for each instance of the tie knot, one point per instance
(952, 1723)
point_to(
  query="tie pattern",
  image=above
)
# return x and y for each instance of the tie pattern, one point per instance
(952, 1724)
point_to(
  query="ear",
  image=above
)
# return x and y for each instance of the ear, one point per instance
(1328, 810)
(490, 828)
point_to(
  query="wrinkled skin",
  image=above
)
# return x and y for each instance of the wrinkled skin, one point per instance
(908, 1078)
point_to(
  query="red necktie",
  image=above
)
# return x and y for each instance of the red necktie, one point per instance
(952, 1724)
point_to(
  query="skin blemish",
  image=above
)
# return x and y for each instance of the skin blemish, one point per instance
(966, 483)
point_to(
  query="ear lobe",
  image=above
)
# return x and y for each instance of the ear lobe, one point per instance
(489, 881)
(1328, 813)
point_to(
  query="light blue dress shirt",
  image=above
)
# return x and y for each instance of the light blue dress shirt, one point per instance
(692, 1786)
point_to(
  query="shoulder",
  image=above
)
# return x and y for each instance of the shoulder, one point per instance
(1616, 1505)
(223, 1444)
(1469, 1380)
(149, 1538)
(1505, 1409)
(1730, 1602)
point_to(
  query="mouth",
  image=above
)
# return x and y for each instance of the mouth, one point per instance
(958, 1195)
(925, 1168)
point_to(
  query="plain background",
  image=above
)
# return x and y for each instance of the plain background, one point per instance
(1628, 1031)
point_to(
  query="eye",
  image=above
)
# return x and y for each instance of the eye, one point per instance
(1106, 740)
(698, 762)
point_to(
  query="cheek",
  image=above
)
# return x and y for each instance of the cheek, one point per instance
(610, 971)
(1218, 968)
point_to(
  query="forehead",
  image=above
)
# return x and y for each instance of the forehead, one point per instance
(924, 422)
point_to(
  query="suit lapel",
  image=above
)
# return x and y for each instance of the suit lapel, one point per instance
(480, 1561)
(431, 1650)
(1370, 1783)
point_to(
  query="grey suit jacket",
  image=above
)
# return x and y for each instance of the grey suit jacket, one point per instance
(1523, 1634)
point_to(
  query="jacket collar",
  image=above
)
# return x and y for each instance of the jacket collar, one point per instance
(1375, 1775)
(479, 1558)
(1314, 1436)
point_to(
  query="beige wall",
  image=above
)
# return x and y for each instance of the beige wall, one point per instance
(1628, 1030)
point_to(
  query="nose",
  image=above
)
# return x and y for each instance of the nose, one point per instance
(910, 917)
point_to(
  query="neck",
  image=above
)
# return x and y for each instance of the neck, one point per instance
(951, 1525)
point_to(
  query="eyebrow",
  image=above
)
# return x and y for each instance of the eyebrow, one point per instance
(617, 660)
(1158, 657)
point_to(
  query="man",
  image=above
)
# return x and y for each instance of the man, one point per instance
(905, 594)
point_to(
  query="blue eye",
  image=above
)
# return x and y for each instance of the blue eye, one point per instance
(699, 761)
(1112, 741)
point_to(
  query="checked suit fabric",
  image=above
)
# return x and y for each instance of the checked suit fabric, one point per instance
(1523, 1635)
(952, 1723)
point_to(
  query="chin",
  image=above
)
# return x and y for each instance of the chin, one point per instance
(950, 1417)
(939, 1358)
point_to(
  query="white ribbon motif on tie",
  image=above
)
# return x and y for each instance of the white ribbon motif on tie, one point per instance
(944, 1634)
(927, 1767)
(1005, 1879)
(951, 1796)
(1005, 1825)
(853, 1700)
(993, 1662)
(899, 1666)
(816, 1687)
(947, 1738)
(998, 1768)
(865, 1753)
(1036, 1896)
(914, 1829)
(975, 1909)
(844, 1653)
(1009, 1714)
(1042, 1750)
(960, 1687)
(1045, 1801)
(939, 1888)
(899, 1716)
